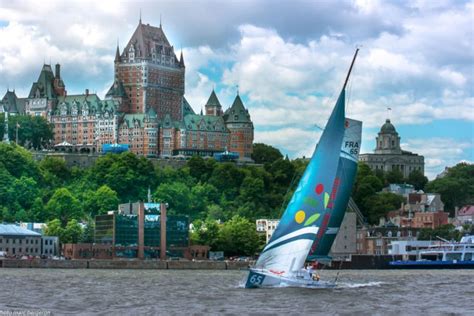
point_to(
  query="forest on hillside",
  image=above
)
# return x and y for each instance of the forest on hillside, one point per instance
(203, 189)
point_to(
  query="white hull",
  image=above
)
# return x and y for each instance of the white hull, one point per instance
(261, 278)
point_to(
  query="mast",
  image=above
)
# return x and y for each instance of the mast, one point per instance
(350, 69)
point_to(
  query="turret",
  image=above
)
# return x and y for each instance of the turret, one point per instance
(181, 60)
(117, 55)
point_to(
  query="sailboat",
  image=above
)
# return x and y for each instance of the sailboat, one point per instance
(312, 218)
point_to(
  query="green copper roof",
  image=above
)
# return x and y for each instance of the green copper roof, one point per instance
(388, 128)
(90, 103)
(11, 102)
(139, 119)
(213, 100)
(195, 122)
(116, 90)
(237, 112)
(43, 88)
(187, 109)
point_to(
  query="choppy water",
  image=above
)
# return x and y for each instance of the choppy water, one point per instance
(187, 292)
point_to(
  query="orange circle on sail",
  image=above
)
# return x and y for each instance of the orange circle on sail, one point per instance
(300, 216)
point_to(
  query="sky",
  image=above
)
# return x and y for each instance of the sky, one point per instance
(287, 59)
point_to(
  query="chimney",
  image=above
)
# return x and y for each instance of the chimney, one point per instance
(87, 92)
(58, 71)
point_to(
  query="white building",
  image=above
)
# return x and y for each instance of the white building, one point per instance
(267, 226)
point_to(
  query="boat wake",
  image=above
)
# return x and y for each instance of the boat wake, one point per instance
(347, 285)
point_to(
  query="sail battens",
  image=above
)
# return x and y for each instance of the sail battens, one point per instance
(306, 230)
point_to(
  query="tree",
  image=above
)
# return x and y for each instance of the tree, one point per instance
(265, 153)
(100, 201)
(239, 237)
(447, 231)
(205, 233)
(72, 232)
(125, 173)
(33, 131)
(200, 169)
(88, 232)
(417, 179)
(228, 178)
(394, 176)
(456, 188)
(25, 191)
(378, 205)
(55, 171)
(64, 206)
(178, 196)
(54, 228)
(18, 161)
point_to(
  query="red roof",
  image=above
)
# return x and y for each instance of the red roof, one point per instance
(466, 210)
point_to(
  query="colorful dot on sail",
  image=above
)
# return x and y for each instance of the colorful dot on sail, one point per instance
(312, 219)
(310, 201)
(319, 188)
(326, 199)
(300, 216)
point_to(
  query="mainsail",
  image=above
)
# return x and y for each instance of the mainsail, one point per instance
(313, 199)
(345, 176)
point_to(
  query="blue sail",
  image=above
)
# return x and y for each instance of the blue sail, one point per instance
(291, 242)
(346, 173)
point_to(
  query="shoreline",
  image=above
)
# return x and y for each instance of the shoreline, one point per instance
(124, 264)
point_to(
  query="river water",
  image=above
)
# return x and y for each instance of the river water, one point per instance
(164, 292)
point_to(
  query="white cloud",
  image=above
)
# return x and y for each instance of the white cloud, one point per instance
(416, 58)
(439, 152)
(297, 142)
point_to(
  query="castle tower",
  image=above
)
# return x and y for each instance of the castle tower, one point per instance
(237, 120)
(213, 106)
(149, 74)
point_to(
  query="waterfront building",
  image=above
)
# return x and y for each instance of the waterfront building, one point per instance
(18, 241)
(49, 246)
(388, 154)
(267, 226)
(376, 240)
(465, 215)
(430, 219)
(345, 243)
(136, 231)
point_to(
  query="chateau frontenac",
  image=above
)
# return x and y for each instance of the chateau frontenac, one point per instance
(145, 107)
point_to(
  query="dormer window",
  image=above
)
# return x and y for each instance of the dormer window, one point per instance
(131, 54)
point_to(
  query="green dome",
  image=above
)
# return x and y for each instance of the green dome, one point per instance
(387, 128)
